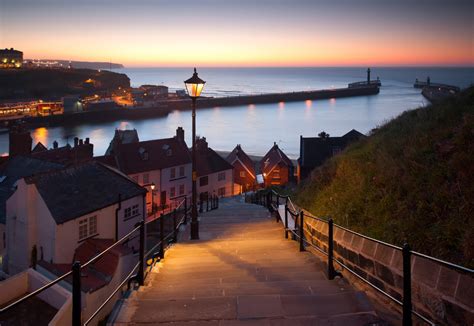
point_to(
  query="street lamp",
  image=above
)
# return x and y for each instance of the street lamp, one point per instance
(194, 86)
(152, 186)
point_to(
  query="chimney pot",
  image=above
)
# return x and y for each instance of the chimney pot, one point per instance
(76, 141)
(55, 144)
(81, 142)
(87, 140)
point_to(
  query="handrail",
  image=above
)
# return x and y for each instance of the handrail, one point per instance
(112, 295)
(99, 255)
(406, 304)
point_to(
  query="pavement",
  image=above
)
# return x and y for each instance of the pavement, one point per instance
(242, 271)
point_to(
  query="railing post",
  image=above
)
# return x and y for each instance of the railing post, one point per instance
(175, 226)
(200, 205)
(141, 257)
(217, 202)
(207, 204)
(286, 221)
(76, 294)
(278, 201)
(185, 210)
(162, 236)
(302, 231)
(331, 271)
(407, 306)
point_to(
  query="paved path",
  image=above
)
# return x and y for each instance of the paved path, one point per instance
(243, 272)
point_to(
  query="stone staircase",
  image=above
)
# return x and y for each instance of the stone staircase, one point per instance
(242, 271)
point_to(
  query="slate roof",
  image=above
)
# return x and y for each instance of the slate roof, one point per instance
(151, 155)
(315, 150)
(238, 154)
(122, 137)
(274, 156)
(83, 188)
(208, 161)
(16, 168)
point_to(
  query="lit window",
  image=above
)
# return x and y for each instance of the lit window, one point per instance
(181, 171)
(173, 173)
(181, 190)
(221, 176)
(242, 174)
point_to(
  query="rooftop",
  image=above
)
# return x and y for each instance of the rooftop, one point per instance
(83, 188)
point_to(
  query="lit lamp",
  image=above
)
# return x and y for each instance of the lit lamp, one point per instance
(152, 186)
(194, 87)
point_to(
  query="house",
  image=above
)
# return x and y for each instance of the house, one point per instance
(81, 151)
(244, 169)
(314, 151)
(164, 164)
(11, 171)
(215, 174)
(50, 214)
(276, 167)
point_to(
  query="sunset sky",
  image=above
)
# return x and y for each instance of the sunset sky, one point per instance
(243, 32)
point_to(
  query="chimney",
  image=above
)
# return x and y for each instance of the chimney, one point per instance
(55, 144)
(202, 144)
(81, 142)
(180, 134)
(20, 141)
(87, 141)
(274, 144)
(76, 141)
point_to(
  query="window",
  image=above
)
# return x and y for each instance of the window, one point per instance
(92, 225)
(83, 229)
(203, 181)
(221, 176)
(181, 190)
(173, 173)
(221, 191)
(242, 174)
(181, 171)
(130, 212)
(146, 178)
(87, 227)
(276, 175)
(172, 192)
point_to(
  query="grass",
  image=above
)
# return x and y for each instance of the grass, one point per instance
(411, 180)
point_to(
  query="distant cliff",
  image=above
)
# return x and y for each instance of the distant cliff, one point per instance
(86, 64)
(55, 83)
(411, 179)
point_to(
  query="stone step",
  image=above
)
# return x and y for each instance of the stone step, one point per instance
(249, 307)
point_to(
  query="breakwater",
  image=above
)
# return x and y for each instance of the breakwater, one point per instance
(164, 107)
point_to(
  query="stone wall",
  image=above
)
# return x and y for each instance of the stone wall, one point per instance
(439, 293)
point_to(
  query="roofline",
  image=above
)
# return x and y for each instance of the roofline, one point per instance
(245, 167)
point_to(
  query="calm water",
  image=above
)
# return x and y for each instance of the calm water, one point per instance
(256, 127)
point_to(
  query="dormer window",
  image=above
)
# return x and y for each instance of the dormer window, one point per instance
(167, 149)
(143, 154)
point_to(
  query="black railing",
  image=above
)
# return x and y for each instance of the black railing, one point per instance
(272, 200)
(137, 274)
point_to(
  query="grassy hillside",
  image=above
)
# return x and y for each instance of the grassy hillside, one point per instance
(412, 179)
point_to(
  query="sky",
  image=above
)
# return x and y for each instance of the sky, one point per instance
(214, 33)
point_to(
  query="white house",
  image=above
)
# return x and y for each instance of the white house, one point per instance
(215, 174)
(163, 163)
(51, 214)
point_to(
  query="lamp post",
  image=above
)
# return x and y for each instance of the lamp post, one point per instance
(194, 86)
(152, 186)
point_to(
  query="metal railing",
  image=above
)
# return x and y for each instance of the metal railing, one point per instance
(137, 274)
(272, 200)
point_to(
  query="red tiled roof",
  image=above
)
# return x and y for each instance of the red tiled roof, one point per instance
(100, 273)
(238, 154)
(152, 155)
(274, 156)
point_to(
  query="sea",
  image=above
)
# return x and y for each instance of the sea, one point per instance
(257, 127)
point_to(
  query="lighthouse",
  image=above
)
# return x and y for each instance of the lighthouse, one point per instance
(368, 76)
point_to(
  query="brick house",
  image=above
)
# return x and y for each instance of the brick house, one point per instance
(244, 169)
(276, 167)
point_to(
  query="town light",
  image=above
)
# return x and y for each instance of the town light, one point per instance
(152, 186)
(194, 87)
